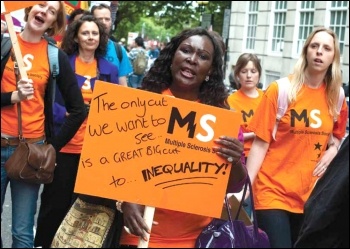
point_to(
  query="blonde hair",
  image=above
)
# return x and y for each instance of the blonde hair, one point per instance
(332, 78)
(58, 26)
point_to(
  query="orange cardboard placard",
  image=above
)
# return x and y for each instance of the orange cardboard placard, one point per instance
(8, 6)
(155, 150)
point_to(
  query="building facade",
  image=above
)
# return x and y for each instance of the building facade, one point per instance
(276, 31)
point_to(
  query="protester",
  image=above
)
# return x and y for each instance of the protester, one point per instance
(190, 68)
(246, 100)
(77, 14)
(37, 113)
(231, 77)
(284, 170)
(103, 13)
(135, 78)
(326, 221)
(85, 43)
(153, 52)
(3, 27)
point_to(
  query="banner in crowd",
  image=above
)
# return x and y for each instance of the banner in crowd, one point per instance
(9, 6)
(72, 5)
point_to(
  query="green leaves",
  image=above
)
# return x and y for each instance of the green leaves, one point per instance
(164, 18)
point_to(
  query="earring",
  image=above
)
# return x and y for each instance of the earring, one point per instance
(207, 78)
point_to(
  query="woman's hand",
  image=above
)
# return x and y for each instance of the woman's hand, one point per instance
(326, 159)
(134, 221)
(231, 149)
(25, 88)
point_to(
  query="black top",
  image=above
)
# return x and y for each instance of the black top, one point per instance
(326, 212)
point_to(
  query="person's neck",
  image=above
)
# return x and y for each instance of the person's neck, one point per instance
(87, 56)
(314, 80)
(32, 37)
(250, 92)
(187, 95)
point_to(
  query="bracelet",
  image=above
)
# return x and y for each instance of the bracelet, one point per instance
(118, 205)
(239, 159)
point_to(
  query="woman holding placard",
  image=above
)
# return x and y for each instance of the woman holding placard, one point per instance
(190, 68)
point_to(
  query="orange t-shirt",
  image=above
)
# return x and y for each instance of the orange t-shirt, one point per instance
(246, 106)
(285, 179)
(175, 229)
(88, 70)
(36, 64)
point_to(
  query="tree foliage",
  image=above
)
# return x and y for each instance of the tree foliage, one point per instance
(162, 19)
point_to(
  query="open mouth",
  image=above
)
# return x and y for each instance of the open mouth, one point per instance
(39, 19)
(187, 73)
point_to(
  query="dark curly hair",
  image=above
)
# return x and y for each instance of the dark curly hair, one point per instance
(212, 92)
(71, 47)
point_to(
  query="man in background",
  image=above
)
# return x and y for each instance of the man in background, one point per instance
(139, 67)
(154, 51)
(3, 29)
(103, 13)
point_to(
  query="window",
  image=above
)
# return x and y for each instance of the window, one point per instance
(279, 26)
(306, 23)
(271, 76)
(252, 23)
(338, 21)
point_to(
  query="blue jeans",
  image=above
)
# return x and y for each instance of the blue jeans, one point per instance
(135, 80)
(282, 227)
(24, 198)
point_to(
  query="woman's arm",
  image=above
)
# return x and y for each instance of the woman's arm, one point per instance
(248, 136)
(73, 99)
(256, 157)
(24, 90)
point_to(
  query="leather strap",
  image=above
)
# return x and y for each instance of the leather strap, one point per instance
(19, 110)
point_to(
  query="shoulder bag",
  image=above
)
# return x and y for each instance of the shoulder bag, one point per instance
(233, 233)
(89, 223)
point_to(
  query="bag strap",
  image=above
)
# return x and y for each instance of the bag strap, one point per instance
(52, 52)
(255, 222)
(118, 49)
(19, 110)
(340, 102)
(282, 102)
